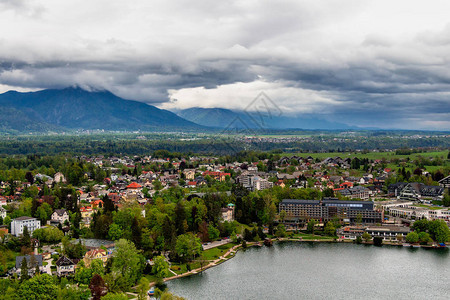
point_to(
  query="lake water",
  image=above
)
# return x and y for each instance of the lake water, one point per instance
(292, 270)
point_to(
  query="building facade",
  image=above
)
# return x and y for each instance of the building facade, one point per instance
(324, 210)
(18, 224)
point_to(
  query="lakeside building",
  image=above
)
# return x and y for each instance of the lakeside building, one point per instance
(18, 224)
(407, 210)
(388, 233)
(298, 211)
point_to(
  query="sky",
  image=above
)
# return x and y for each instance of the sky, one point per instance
(367, 63)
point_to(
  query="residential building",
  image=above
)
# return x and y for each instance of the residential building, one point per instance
(228, 213)
(2, 212)
(95, 254)
(31, 262)
(359, 192)
(189, 174)
(60, 216)
(261, 184)
(59, 177)
(18, 224)
(65, 266)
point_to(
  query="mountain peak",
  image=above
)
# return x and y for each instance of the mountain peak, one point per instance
(81, 107)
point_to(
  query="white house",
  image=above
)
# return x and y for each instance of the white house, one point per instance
(59, 177)
(2, 212)
(60, 215)
(19, 223)
(65, 266)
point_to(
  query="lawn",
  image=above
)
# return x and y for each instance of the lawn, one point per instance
(307, 236)
(182, 268)
(428, 206)
(215, 253)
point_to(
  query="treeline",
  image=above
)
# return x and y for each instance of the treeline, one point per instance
(217, 145)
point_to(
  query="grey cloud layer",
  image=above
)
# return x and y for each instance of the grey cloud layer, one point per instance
(142, 50)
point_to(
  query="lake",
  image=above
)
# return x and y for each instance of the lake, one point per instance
(291, 270)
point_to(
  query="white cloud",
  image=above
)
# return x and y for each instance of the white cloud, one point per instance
(311, 56)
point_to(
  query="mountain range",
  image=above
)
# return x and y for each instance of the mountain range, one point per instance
(225, 118)
(75, 108)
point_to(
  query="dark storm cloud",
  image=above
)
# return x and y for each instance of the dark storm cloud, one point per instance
(351, 59)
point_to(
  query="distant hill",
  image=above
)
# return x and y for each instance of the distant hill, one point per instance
(225, 118)
(76, 108)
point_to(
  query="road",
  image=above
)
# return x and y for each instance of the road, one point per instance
(216, 244)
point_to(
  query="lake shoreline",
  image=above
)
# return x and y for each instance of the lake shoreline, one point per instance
(233, 251)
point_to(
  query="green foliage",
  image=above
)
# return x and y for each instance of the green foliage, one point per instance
(160, 267)
(115, 296)
(115, 232)
(213, 232)
(311, 226)
(24, 270)
(188, 246)
(329, 229)
(412, 237)
(40, 287)
(424, 238)
(128, 261)
(83, 274)
(142, 288)
(75, 250)
(280, 231)
(48, 235)
(366, 237)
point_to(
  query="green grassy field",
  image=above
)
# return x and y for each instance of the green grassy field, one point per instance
(371, 155)
(215, 253)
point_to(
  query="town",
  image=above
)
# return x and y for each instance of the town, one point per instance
(112, 226)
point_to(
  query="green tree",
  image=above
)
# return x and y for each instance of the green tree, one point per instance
(24, 270)
(329, 229)
(366, 237)
(281, 231)
(160, 267)
(213, 232)
(142, 288)
(412, 237)
(439, 231)
(82, 274)
(424, 238)
(40, 287)
(115, 232)
(188, 246)
(97, 267)
(128, 261)
(26, 239)
(311, 226)
(420, 225)
(115, 296)
(147, 240)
